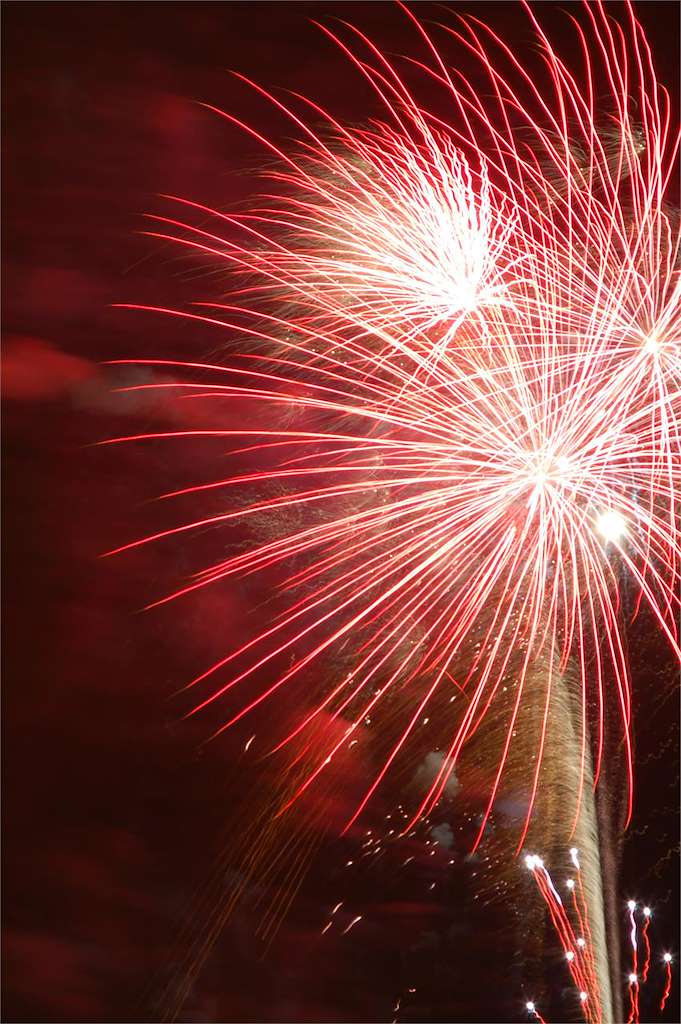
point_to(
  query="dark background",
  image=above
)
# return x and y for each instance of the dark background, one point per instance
(114, 810)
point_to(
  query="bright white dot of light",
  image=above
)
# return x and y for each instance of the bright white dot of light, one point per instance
(611, 525)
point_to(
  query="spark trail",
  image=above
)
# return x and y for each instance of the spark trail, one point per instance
(647, 914)
(667, 959)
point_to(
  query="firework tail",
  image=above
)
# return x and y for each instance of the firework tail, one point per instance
(552, 831)
(551, 836)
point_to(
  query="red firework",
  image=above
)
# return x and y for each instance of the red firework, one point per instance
(476, 325)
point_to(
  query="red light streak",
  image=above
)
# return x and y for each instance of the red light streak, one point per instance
(646, 943)
(668, 980)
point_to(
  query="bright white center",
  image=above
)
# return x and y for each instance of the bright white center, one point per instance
(611, 525)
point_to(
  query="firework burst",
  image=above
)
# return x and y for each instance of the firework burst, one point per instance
(462, 344)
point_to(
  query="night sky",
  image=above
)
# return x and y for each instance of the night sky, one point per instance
(119, 819)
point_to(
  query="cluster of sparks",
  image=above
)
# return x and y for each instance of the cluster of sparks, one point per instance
(576, 941)
(637, 978)
(372, 847)
(574, 934)
(473, 327)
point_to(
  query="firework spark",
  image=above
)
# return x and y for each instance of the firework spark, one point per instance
(647, 914)
(633, 984)
(667, 960)
(531, 1008)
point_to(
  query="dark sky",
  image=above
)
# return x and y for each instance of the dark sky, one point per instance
(117, 818)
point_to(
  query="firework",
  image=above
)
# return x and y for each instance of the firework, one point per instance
(489, 418)
(457, 351)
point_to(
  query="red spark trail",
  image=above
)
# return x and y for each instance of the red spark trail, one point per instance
(633, 986)
(646, 942)
(668, 980)
(531, 1008)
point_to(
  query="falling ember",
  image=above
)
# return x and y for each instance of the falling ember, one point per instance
(631, 906)
(633, 999)
(352, 924)
(667, 960)
(647, 914)
(532, 1009)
